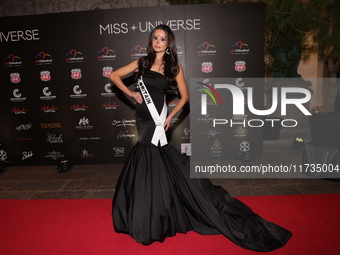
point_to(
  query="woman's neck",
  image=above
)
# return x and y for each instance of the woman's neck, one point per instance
(159, 56)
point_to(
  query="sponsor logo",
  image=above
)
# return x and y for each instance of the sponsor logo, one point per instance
(205, 119)
(216, 148)
(244, 146)
(173, 103)
(239, 48)
(43, 59)
(12, 60)
(77, 107)
(54, 138)
(137, 52)
(240, 66)
(24, 127)
(211, 133)
(3, 155)
(74, 56)
(85, 154)
(89, 138)
(17, 96)
(109, 106)
(45, 75)
(211, 92)
(239, 83)
(50, 125)
(18, 110)
(84, 124)
(15, 77)
(240, 131)
(23, 139)
(54, 155)
(124, 135)
(76, 74)
(186, 132)
(108, 91)
(106, 54)
(77, 92)
(179, 51)
(107, 71)
(47, 94)
(186, 148)
(47, 109)
(174, 119)
(207, 67)
(206, 49)
(119, 151)
(123, 123)
(27, 154)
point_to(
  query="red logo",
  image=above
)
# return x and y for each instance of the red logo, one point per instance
(207, 67)
(15, 77)
(240, 66)
(76, 74)
(18, 110)
(107, 71)
(45, 75)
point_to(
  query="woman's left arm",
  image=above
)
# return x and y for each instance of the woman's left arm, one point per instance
(183, 91)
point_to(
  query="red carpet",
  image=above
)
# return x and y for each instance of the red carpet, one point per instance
(84, 227)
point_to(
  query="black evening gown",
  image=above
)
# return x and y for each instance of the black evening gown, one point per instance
(155, 197)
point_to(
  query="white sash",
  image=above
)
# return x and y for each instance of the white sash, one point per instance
(159, 134)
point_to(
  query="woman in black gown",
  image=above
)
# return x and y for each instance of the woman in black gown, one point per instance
(155, 197)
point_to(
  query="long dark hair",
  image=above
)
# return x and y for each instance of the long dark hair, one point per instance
(171, 67)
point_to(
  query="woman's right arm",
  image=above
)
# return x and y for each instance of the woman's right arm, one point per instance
(116, 78)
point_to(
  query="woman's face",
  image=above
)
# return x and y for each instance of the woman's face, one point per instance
(159, 41)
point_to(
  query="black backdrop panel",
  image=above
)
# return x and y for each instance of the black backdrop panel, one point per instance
(57, 101)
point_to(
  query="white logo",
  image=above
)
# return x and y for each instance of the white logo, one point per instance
(3, 155)
(84, 124)
(123, 122)
(239, 83)
(53, 138)
(24, 127)
(119, 151)
(124, 135)
(108, 91)
(77, 92)
(54, 155)
(16, 93)
(27, 154)
(17, 96)
(244, 146)
(186, 132)
(47, 94)
(84, 121)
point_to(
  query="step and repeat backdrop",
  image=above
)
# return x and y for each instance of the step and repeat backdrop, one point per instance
(57, 103)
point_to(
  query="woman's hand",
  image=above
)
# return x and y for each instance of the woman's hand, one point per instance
(167, 123)
(137, 96)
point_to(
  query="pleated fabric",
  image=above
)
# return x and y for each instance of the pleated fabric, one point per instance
(155, 198)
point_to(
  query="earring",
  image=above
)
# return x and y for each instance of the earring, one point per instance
(167, 51)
